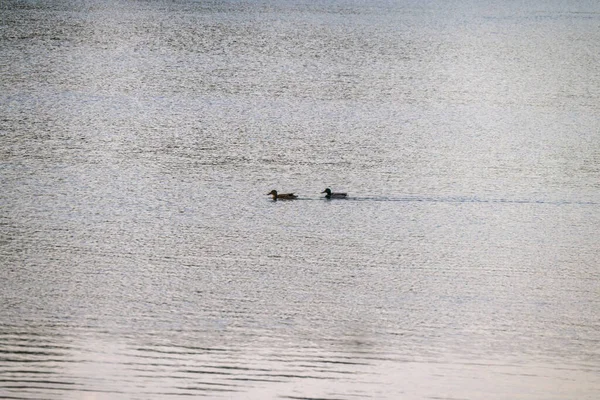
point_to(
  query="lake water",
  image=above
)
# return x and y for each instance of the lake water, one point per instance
(140, 257)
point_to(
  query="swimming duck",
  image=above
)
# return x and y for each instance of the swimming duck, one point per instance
(331, 195)
(282, 196)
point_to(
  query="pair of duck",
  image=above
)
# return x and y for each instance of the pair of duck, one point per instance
(291, 196)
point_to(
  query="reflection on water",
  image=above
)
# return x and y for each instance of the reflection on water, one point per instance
(101, 366)
(141, 259)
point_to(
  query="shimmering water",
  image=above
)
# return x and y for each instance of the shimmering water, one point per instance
(140, 257)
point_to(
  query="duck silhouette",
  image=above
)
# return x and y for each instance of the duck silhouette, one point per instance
(333, 195)
(282, 196)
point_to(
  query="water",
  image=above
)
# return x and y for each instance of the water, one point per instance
(141, 258)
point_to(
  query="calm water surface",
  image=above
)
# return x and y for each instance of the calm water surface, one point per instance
(140, 257)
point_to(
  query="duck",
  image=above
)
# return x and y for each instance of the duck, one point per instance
(332, 195)
(282, 196)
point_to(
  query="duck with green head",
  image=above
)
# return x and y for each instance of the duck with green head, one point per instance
(282, 196)
(333, 195)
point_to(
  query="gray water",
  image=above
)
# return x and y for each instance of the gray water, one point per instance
(140, 257)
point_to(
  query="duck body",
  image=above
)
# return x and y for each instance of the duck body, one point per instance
(282, 196)
(333, 195)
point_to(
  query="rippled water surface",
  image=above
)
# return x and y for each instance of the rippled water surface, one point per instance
(140, 257)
